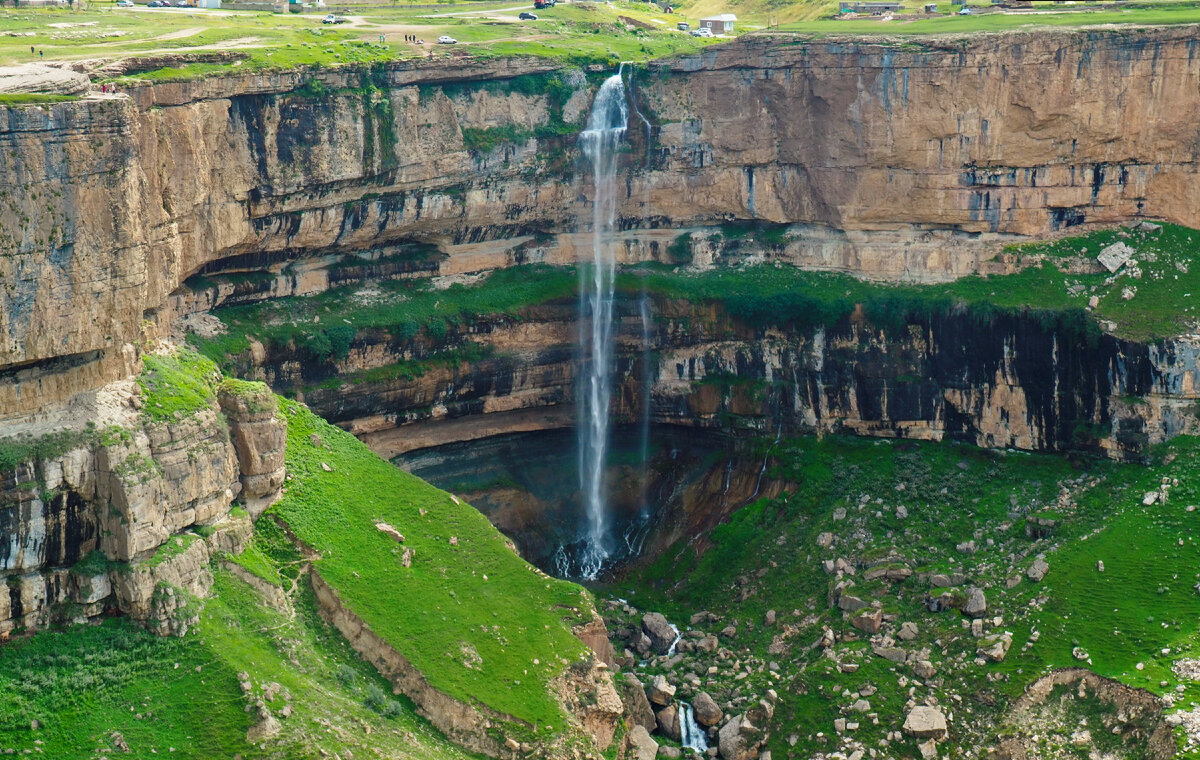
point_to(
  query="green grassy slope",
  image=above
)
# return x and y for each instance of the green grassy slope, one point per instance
(471, 615)
(181, 697)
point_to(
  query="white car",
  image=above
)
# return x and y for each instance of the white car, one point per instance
(124, 3)
(703, 31)
(446, 39)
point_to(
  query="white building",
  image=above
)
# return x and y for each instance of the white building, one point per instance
(722, 24)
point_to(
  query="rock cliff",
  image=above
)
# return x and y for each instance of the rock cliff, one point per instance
(883, 159)
(128, 517)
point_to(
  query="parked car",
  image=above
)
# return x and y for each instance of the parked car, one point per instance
(124, 3)
(182, 4)
(965, 11)
(703, 31)
(446, 39)
(527, 16)
(683, 26)
(155, 4)
(333, 19)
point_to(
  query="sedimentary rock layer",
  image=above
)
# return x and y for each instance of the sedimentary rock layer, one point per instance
(896, 161)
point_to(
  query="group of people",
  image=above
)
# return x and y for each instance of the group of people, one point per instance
(412, 38)
(108, 88)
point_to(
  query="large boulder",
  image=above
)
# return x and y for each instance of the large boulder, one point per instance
(668, 722)
(641, 746)
(661, 692)
(739, 739)
(706, 710)
(925, 722)
(868, 621)
(637, 707)
(1037, 570)
(976, 605)
(662, 635)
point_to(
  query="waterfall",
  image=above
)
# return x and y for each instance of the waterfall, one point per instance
(691, 735)
(647, 385)
(605, 128)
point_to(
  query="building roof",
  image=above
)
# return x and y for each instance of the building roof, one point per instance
(722, 17)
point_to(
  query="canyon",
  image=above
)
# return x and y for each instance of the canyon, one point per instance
(304, 228)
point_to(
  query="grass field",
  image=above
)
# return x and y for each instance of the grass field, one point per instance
(582, 32)
(471, 615)
(181, 697)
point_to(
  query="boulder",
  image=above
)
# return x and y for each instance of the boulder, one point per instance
(670, 753)
(1037, 570)
(976, 605)
(661, 633)
(848, 603)
(640, 745)
(661, 692)
(738, 739)
(637, 707)
(667, 720)
(640, 643)
(707, 644)
(706, 710)
(1115, 256)
(997, 648)
(924, 722)
(891, 654)
(868, 621)
(924, 669)
(908, 631)
(769, 618)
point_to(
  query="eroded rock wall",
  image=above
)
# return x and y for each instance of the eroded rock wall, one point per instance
(1034, 381)
(894, 161)
(128, 517)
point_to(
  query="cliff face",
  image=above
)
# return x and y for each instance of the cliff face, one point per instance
(1031, 381)
(909, 161)
(100, 523)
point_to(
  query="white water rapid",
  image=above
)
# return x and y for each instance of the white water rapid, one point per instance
(605, 129)
(691, 735)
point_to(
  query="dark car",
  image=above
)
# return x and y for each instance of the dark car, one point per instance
(527, 16)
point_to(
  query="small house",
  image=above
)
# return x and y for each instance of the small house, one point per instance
(213, 4)
(877, 8)
(722, 24)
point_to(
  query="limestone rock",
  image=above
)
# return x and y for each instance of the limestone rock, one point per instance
(1115, 256)
(1037, 570)
(706, 710)
(738, 739)
(976, 605)
(924, 722)
(660, 632)
(637, 707)
(661, 691)
(997, 648)
(908, 631)
(641, 746)
(37, 77)
(868, 621)
(667, 720)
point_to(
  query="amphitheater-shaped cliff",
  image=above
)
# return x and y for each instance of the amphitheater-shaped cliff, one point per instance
(895, 161)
